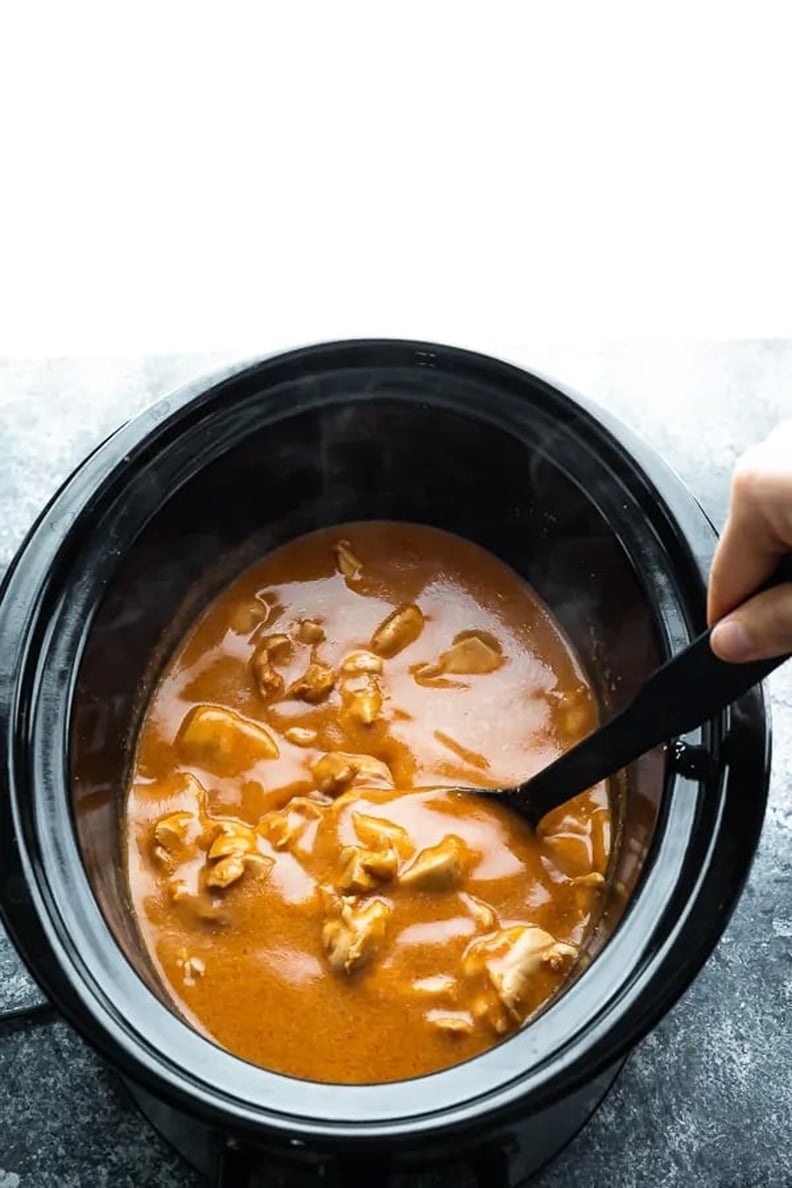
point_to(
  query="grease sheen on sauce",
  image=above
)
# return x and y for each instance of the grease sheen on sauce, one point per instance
(251, 963)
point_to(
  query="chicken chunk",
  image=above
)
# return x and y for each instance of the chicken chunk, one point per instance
(437, 868)
(270, 650)
(398, 631)
(592, 879)
(233, 838)
(315, 685)
(172, 836)
(347, 563)
(226, 871)
(437, 987)
(311, 632)
(192, 967)
(472, 653)
(484, 915)
(364, 705)
(377, 833)
(223, 741)
(268, 680)
(247, 616)
(285, 826)
(179, 792)
(194, 903)
(334, 771)
(354, 936)
(512, 958)
(337, 770)
(372, 773)
(573, 711)
(300, 736)
(363, 870)
(489, 1009)
(453, 1023)
(569, 853)
(361, 662)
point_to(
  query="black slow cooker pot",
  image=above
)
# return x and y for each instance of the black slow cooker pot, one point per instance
(163, 514)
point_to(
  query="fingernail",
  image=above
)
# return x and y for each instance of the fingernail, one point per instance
(731, 641)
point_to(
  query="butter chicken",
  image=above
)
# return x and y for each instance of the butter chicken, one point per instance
(311, 892)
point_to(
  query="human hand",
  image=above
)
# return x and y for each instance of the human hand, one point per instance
(758, 533)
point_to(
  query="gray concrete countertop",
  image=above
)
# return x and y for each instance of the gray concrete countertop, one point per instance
(706, 1100)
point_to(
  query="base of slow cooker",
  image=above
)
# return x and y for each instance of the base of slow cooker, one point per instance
(505, 1158)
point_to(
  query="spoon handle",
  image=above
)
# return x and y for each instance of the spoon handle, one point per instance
(689, 689)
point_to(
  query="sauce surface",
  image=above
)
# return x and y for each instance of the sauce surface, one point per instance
(311, 896)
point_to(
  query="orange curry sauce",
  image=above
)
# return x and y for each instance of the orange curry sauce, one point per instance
(311, 897)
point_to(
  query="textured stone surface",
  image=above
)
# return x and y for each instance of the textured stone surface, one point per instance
(705, 1100)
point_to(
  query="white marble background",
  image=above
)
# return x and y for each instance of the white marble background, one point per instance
(707, 1099)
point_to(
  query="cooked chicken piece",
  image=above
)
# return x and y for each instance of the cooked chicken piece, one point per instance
(363, 870)
(574, 711)
(226, 871)
(492, 1012)
(472, 653)
(337, 769)
(279, 646)
(436, 986)
(371, 772)
(172, 830)
(269, 681)
(437, 868)
(269, 650)
(513, 957)
(331, 901)
(334, 771)
(192, 968)
(286, 825)
(454, 1023)
(348, 564)
(361, 662)
(314, 685)
(398, 631)
(356, 934)
(172, 834)
(224, 741)
(484, 915)
(234, 838)
(178, 792)
(300, 736)
(198, 904)
(577, 721)
(247, 616)
(569, 853)
(364, 705)
(311, 632)
(593, 879)
(379, 834)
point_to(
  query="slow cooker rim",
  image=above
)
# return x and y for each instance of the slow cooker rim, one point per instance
(200, 388)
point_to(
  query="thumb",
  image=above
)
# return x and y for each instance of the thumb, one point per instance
(758, 630)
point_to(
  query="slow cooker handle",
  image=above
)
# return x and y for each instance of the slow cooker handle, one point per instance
(240, 1167)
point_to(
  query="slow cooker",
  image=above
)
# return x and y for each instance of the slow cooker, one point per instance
(158, 519)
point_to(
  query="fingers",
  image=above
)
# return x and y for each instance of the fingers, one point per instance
(759, 528)
(760, 629)
(746, 555)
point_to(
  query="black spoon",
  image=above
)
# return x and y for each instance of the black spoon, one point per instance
(688, 690)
